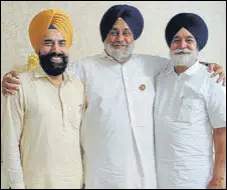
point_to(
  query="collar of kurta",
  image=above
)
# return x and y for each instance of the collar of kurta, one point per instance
(189, 72)
(193, 69)
(40, 73)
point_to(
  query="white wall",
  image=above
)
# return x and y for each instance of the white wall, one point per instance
(16, 16)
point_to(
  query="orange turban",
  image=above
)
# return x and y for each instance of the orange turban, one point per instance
(41, 22)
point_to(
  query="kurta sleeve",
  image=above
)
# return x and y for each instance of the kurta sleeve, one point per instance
(216, 103)
(13, 113)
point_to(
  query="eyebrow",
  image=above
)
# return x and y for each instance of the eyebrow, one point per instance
(188, 37)
(49, 41)
(116, 29)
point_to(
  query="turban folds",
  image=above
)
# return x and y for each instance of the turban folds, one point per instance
(129, 14)
(191, 22)
(41, 22)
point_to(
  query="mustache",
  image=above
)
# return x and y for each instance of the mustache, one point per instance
(54, 54)
(183, 51)
(119, 44)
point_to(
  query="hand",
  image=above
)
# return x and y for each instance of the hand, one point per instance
(217, 69)
(217, 182)
(10, 83)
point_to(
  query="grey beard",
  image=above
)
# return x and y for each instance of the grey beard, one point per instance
(185, 59)
(120, 55)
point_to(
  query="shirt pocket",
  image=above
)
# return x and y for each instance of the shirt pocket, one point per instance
(190, 109)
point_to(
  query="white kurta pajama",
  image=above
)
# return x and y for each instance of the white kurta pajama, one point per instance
(117, 128)
(41, 133)
(187, 107)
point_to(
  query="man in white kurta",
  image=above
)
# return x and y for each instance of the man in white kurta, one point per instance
(117, 128)
(190, 113)
(41, 123)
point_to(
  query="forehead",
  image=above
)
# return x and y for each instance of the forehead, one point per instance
(53, 34)
(183, 33)
(120, 24)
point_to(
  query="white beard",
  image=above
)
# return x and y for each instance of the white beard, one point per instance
(187, 59)
(120, 55)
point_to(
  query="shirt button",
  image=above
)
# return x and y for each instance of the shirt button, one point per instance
(142, 87)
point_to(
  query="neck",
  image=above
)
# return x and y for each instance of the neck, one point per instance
(180, 69)
(56, 80)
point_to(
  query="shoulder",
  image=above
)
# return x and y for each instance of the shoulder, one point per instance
(86, 62)
(75, 80)
(210, 82)
(26, 78)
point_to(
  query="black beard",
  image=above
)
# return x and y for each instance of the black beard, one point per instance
(51, 68)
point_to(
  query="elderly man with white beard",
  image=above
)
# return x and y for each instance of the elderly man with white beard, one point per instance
(117, 135)
(190, 113)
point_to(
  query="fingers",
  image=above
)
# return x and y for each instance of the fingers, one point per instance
(9, 86)
(10, 83)
(7, 92)
(10, 79)
(14, 74)
(219, 71)
(211, 67)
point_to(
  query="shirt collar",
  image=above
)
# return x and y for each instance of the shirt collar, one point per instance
(192, 69)
(189, 72)
(40, 73)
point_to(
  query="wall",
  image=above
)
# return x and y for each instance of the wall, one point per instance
(16, 16)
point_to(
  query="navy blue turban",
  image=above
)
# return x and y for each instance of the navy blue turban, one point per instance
(193, 23)
(129, 14)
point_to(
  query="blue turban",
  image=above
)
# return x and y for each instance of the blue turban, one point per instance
(193, 23)
(129, 14)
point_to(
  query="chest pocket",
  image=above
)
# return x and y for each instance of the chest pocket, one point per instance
(191, 109)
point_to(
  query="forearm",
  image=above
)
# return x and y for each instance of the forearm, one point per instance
(219, 136)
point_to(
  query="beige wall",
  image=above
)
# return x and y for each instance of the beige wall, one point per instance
(15, 18)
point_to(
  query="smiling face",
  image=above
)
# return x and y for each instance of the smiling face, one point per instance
(183, 49)
(53, 53)
(119, 42)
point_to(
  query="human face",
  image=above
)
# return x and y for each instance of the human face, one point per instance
(53, 53)
(183, 49)
(119, 42)
(53, 42)
(120, 35)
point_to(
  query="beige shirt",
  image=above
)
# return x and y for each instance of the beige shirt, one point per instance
(41, 133)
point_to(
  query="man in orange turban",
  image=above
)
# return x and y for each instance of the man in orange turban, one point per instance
(41, 122)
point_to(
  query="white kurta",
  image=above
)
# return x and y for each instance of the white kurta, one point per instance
(117, 128)
(187, 107)
(41, 126)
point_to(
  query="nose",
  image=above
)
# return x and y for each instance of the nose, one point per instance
(55, 48)
(182, 44)
(120, 38)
